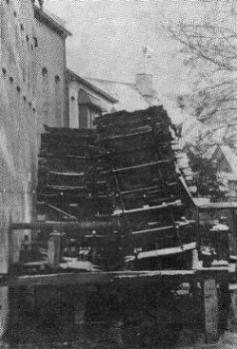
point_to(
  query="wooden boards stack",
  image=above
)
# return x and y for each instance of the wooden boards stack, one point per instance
(65, 181)
(143, 187)
(125, 170)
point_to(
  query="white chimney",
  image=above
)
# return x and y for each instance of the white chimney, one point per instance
(144, 82)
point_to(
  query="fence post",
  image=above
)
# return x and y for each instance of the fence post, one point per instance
(4, 241)
(54, 249)
(211, 311)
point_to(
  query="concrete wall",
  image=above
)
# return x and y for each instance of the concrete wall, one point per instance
(28, 99)
(18, 116)
(50, 74)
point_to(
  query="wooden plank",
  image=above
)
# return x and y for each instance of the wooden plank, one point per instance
(69, 173)
(4, 241)
(152, 208)
(4, 309)
(65, 187)
(65, 226)
(211, 312)
(62, 212)
(54, 252)
(164, 228)
(80, 308)
(141, 190)
(167, 251)
(128, 135)
(62, 156)
(90, 278)
(153, 230)
(135, 167)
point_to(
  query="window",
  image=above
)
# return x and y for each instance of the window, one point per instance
(45, 95)
(58, 101)
(35, 41)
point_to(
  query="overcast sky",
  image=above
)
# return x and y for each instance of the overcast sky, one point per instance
(108, 36)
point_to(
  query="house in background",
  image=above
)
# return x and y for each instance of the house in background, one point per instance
(226, 164)
(131, 96)
(86, 101)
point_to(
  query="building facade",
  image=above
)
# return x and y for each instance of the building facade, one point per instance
(32, 93)
(18, 120)
(50, 68)
(86, 101)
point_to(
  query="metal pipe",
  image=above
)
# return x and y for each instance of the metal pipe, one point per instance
(64, 226)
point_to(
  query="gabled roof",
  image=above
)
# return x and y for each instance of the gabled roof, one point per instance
(230, 157)
(73, 76)
(128, 96)
(51, 22)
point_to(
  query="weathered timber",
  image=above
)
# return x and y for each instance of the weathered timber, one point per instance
(89, 133)
(128, 171)
(167, 251)
(150, 164)
(65, 226)
(4, 241)
(152, 208)
(159, 229)
(127, 135)
(54, 246)
(96, 278)
(210, 302)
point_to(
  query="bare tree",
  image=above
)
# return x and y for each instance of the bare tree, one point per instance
(209, 49)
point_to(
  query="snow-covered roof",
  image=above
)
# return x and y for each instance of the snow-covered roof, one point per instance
(128, 96)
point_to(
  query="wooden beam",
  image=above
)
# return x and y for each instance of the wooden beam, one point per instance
(5, 248)
(135, 167)
(177, 203)
(54, 246)
(64, 226)
(61, 211)
(211, 312)
(90, 278)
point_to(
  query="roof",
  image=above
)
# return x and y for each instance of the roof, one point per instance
(126, 93)
(73, 76)
(51, 22)
(88, 99)
(230, 157)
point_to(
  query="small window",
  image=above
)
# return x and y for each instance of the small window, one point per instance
(57, 79)
(44, 71)
(35, 41)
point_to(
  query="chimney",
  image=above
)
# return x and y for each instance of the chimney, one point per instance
(144, 84)
(144, 80)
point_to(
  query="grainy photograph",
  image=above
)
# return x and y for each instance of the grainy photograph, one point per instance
(118, 174)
